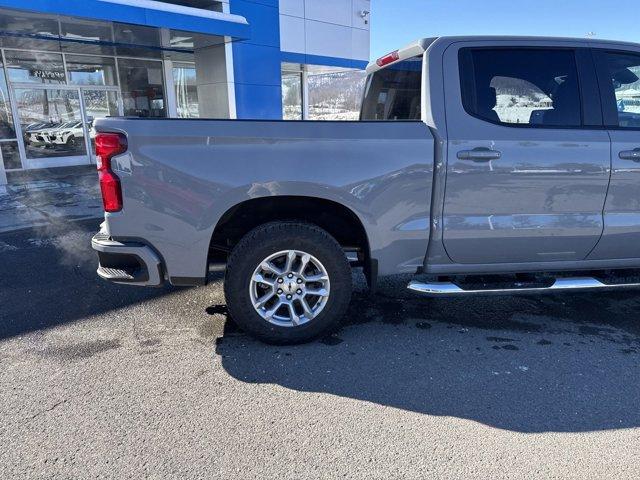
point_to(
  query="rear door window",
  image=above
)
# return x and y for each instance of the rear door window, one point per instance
(521, 87)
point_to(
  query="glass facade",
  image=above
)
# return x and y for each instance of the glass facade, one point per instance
(292, 95)
(34, 67)
(8, 139)
(58, 74)
(335, 95)
(7, 130)
(57, 96)
(186, 91)
(51, 122)
(313, 92)
(142, 86)
(90, 70)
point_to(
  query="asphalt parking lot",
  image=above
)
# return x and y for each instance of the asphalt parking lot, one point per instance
(112, 381)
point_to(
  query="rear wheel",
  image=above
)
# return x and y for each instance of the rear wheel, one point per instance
(288, 283)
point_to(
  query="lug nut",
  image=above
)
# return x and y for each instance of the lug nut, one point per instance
(280, 280)
(299, 280)
(279, 291)
(290, 275)
(289, 297)
(299, 292)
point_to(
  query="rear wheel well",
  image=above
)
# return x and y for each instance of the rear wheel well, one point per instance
(336, 219)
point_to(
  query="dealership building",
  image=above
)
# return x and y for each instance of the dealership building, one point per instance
(67, 62)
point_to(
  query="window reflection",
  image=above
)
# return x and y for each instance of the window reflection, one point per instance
(336, 95)
(89, 70)
(51, 122)
(184, 78)
(87, 30)
(142, 87)
(292, 95)
(136, 35)
(10, 155)
(20, 25)
(35, 67)
(624, 71)
(6, 119)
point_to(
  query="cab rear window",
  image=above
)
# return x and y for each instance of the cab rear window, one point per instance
(394, 93)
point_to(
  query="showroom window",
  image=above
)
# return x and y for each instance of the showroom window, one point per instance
(34, 67)
(335, 95)
(142, 87)
(313, 92)
(292, 95)
(91, 70)
(8, 142)
(186, 88)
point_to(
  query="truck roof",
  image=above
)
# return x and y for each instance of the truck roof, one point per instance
(418, 47)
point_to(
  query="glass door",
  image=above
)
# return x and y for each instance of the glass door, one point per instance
(56, 122)
(51, 123)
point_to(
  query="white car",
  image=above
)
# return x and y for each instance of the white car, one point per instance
(70, 134)
(36, 134)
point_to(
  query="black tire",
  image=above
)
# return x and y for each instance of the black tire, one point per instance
(269, 239)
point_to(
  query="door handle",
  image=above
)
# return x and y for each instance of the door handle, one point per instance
(630, 155)
(480, 154)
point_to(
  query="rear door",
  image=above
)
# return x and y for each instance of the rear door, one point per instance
(528, 160)
(619, 77)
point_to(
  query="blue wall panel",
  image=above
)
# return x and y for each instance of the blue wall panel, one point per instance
(256, 61)
(259, 101)
(264, 21)
(262, 62)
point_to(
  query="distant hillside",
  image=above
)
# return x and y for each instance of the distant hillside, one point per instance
(336, 96)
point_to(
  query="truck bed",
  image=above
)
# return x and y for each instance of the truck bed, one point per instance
(180, 176)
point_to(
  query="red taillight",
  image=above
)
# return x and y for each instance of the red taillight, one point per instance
(109, 145)
(388, 58)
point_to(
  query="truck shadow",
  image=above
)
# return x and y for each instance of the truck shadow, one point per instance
(48, 279)
(526, 364)
(530, 364)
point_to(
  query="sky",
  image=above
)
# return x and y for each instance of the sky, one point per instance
(395, 23)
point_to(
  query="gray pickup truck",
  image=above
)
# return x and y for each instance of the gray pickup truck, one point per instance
(481, 164)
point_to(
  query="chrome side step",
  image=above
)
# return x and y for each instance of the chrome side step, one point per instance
(439, 289)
